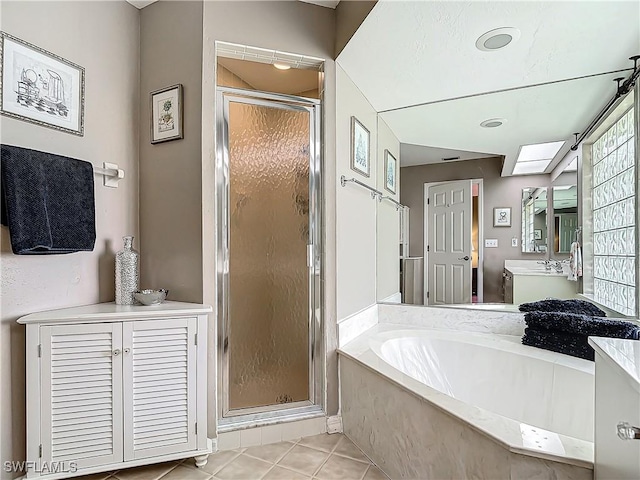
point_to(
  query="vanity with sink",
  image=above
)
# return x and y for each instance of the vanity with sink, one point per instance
(531, 280)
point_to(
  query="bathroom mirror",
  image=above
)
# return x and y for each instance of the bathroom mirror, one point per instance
(565, 217)
(534, 220)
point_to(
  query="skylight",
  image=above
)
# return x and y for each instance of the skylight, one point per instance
(525, 168)
(536, 158)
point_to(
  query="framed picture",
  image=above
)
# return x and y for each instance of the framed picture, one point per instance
(390, 172)
(40, 87)
(360, 148)
(166, 114)
(537, 234)
(502, 217)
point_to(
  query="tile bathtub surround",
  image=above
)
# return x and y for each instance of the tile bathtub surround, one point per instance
(468, 319)
(320, 457)
(411, 438)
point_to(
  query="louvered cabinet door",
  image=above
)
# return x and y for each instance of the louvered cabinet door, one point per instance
(81, 401)
(159, 370)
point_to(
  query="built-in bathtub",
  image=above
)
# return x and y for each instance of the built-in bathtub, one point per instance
(451, 404)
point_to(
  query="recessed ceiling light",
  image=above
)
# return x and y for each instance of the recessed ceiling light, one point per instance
(493, 122)
(497, 39)
(282, 66)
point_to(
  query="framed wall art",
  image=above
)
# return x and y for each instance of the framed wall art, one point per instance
(41, 87)
(502, 217)
(166, 114)
(360, 140)
(390, 172)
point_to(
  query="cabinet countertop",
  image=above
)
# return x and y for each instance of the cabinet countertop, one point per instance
(110, 312)
(535, 273)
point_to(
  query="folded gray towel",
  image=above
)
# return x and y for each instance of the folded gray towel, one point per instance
(569, 306)
(569, 344)
(573, 323)
(47, 202)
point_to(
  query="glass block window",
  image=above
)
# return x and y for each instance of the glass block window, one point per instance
(614, 242)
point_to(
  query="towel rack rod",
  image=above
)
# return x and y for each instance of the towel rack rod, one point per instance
(374, 193)
(107, 172)
(112, 174)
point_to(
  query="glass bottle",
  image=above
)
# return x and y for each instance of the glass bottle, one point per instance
(126, 273)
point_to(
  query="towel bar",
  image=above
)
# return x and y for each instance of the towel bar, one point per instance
(112, 174)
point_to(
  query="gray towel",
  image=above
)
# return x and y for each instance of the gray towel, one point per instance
(48, 202)
(568, 306)
(575, 345)
(573, 323)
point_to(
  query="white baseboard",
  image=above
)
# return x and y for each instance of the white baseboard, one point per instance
(334, 424)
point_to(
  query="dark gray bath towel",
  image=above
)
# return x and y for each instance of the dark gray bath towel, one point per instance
(582, 324)
(569, 306)
(569, 344)
(47, 202)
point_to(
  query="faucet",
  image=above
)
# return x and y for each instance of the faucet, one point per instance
(547, 264)
(558, 265)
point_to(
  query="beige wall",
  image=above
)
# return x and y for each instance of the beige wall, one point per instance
(387, 220)
(294, 27)
(349, 16)
(103, 38)
(170, 172)
(356, 210)
(498, 192)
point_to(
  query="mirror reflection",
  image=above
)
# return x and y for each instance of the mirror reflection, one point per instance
(565, 217)
(534, 220)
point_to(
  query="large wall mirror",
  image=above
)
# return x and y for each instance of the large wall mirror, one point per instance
(534, 220)
(565, 217)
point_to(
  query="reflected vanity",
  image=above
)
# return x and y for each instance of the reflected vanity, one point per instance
(534, 220)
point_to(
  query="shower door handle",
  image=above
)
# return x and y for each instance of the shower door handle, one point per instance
(309, 256)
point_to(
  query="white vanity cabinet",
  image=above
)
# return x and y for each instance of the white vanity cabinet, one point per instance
(114, 386)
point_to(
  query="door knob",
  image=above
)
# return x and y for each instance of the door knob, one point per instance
(465, 258)
(116, 352)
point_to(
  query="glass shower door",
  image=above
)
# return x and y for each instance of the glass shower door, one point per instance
(268, 340)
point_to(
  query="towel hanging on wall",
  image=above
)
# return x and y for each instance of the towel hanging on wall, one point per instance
(47, 202)
(575, 262)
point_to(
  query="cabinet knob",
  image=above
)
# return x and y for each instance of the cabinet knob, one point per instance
(116, 352)
(126, 350)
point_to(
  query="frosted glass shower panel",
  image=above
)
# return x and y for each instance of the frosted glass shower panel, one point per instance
(268, 236)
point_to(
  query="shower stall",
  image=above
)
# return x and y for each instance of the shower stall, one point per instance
(269, 299)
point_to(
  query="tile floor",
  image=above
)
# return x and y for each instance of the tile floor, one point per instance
(322, 457)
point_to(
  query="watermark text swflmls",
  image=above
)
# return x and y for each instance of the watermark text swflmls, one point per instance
(42, 467)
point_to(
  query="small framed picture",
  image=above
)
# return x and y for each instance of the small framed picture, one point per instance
(390, 172)
(502, 217)
(40, 87)
(360, 139)
(166, 114)
(537, 234)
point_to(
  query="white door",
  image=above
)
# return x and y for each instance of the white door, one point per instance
(81, 403)
(159, 382)
(449, 243)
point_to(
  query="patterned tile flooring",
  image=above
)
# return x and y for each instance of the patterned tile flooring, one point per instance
(322, 457)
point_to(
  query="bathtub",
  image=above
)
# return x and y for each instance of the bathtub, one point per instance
(466, 405)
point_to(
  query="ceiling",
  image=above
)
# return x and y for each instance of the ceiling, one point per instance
(411, 155)
(323, 3)
(433, 87)
(267, 78)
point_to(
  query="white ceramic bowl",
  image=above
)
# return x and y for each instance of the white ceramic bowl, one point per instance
(150, 297)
